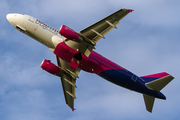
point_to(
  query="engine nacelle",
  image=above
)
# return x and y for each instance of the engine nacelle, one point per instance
(69, 33)
(50, 67)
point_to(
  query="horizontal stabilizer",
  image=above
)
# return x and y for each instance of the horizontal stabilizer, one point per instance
(160, 83)
(149, 102)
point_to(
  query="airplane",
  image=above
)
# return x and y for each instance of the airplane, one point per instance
(74, 52)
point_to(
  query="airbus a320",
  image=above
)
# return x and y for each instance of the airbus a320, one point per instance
(74, 52)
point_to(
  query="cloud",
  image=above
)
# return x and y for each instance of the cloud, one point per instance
(157, 13)
(146, 42)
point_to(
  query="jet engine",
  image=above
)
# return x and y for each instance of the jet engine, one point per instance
(69, 33)
(50, 67)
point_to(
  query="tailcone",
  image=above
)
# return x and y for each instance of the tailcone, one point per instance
(161, 96)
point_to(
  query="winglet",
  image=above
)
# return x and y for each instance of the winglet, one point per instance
(73, 109)
(131, 10)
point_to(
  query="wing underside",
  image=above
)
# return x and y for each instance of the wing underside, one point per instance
(68, 80)
(99, 29)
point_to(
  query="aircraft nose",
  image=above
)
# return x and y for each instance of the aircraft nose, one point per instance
(8, 16)
(12, 18)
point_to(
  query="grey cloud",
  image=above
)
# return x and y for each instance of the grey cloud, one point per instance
(27, 92)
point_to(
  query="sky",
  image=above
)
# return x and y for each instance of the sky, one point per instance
(146, 42)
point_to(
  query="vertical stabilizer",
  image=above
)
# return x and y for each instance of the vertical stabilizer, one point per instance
(149, 102)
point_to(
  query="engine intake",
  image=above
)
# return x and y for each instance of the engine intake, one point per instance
(50, 67)
(69, 33)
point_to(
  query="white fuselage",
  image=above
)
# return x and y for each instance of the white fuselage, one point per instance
(36, 29)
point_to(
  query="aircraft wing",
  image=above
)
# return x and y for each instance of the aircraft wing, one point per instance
(92, 33)
(99, 29)
(68, 80)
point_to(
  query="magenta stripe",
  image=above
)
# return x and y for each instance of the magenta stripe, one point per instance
(131, 10)
(157, 75)
(104, 62)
